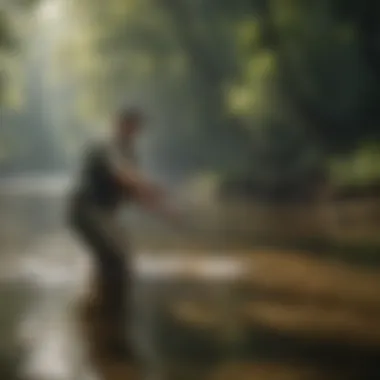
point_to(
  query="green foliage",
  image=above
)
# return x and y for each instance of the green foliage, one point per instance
(4, 30)
(221, 62)
(360, 168)
(9, 45)
(264, 85)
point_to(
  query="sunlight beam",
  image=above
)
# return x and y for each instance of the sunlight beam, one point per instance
(50, 10)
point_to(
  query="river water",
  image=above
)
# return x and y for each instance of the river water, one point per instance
(293, 317)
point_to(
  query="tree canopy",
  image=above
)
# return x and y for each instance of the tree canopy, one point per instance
(268, 87)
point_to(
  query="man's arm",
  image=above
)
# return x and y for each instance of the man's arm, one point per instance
(149, 195)
(128, 175)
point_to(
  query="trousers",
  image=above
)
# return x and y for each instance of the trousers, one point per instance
(106, 239)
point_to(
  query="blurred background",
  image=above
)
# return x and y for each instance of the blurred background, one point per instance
(263, 121)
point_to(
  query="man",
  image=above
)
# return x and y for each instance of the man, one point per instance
(109, 179)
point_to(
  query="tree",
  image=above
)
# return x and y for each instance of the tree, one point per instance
(221, 78)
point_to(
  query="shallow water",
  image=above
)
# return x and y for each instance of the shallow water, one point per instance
(281, 324)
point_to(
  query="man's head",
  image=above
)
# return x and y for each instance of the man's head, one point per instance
(128, 124)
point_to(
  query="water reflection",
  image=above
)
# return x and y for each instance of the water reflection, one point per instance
(198, 316)
(201, 312)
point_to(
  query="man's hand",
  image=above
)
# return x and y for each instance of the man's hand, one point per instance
(155, 199)
(149, 195)
(172, 215)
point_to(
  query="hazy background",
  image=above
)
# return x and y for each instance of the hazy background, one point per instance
(262, 120)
